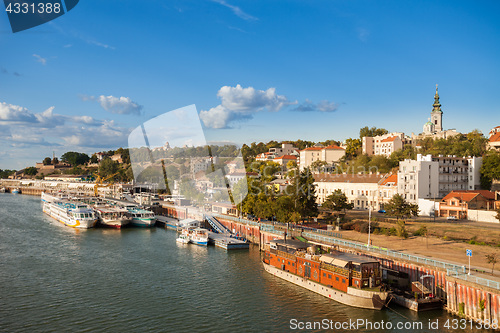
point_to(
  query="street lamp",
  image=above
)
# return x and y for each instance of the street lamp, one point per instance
(369, 224)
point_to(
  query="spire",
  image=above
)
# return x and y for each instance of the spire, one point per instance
(436, 105)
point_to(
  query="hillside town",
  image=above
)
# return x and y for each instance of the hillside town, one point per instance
(441, 171)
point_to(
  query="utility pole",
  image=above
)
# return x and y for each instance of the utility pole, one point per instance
(369, 224)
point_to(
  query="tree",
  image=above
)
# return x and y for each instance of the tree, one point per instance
(94, 159)
(490, 169)
(75, 158)
(31, 171)
(398, 207)
(55, 161)
(47, 161)
(371, 132)
(353, 148)
(492, 259)
(303, 193)
(337, 201)
(107, 167)
(498, 214)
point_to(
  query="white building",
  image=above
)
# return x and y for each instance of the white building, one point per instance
(431, 177)
(418, 179)
(362, 190)
(383, 144)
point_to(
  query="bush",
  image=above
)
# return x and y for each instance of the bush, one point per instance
(421, 231)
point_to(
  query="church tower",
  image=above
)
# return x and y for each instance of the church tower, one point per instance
(437, 114)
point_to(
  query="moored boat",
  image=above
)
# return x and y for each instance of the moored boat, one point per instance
(346, 278)
(72, 214)
(2, 189)
(184, 239)
(141, 217)
(112, 216)
(198, 236)
(15, 191)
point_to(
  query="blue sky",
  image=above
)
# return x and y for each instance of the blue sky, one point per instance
(256, 70)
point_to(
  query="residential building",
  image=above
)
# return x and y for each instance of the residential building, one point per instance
(494, 141)
(286, 149)
(431, 177)
(330, 154)
(383, 144)
(283, 160)
(362, 190)
(418, 179)
(458, 203)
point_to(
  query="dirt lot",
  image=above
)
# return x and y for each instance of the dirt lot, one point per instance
(447, 241)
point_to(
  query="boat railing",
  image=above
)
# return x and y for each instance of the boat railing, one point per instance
(285, 254)
(335, 269)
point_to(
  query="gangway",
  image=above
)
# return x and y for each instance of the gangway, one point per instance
(217, 226)
(128, 197)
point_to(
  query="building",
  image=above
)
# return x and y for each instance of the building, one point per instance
(330, 155)
(431, 177)
(434, 126)
(202, 164)
(458, 203)
(383, 144)
(362, 190)
(286, 149)
(418, 179)
(494, 141)
(283, 160)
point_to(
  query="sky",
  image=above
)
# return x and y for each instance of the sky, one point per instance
(254, 70)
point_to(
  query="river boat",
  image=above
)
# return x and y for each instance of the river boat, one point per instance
(113, 216)
(183, 238)
(199, 236)
(141, 217)
(16, 191)
(70, 213)
(2, 189)
(347, 278)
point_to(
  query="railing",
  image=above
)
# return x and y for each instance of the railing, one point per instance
(236, 219)
(217, 225)
(474, 279)
(387, 252)
(335, 269)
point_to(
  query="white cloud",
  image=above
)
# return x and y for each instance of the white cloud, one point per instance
(41, 60)
(15, 113)
(118, 105)
(238, 103)
(237, 11)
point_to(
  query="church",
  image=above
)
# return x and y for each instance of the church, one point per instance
(434, 126)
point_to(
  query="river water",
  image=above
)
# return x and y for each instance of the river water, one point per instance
(57, 279)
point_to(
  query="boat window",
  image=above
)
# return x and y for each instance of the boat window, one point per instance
(336, 278)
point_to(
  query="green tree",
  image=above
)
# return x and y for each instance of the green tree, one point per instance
(490, 169)
(337, 201)
(55, 161)
(31, 171)
(75, 158)
(371, 132)
(353, 147)
(47, 161)
(398, 207)
(498, 214)
(94, 159)
(302, 190)
(107, 167)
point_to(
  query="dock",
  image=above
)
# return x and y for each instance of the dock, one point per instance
(227, 242)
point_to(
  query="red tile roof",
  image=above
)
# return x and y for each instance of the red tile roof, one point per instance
(495, 137)
(461, 196)
(489, 195)
(389, 139)
(391, 179)
(286, 157)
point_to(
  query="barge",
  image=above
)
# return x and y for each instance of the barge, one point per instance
(343, 277)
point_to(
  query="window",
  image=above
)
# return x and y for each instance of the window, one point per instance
(336, 278)
(324, 274)
(343, 280)
(329, 276)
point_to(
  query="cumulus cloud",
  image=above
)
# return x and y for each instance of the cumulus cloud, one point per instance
(15, 113)
(41, 60)
(323, 106)
(237, 11)
(118, 105)
(106, 135)
(238, 103)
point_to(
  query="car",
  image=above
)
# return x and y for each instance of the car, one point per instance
(451, 218)
(382, 211)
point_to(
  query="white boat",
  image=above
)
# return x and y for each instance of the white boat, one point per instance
(198, 236)
(141, 217)
(184, 239)
(72, 214)
(2, 189)
(15, 191)
(114, 217)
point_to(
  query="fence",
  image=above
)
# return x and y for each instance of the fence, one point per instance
(475, 279)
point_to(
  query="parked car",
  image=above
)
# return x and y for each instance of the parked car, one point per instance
(451, 218)
(382, 211)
